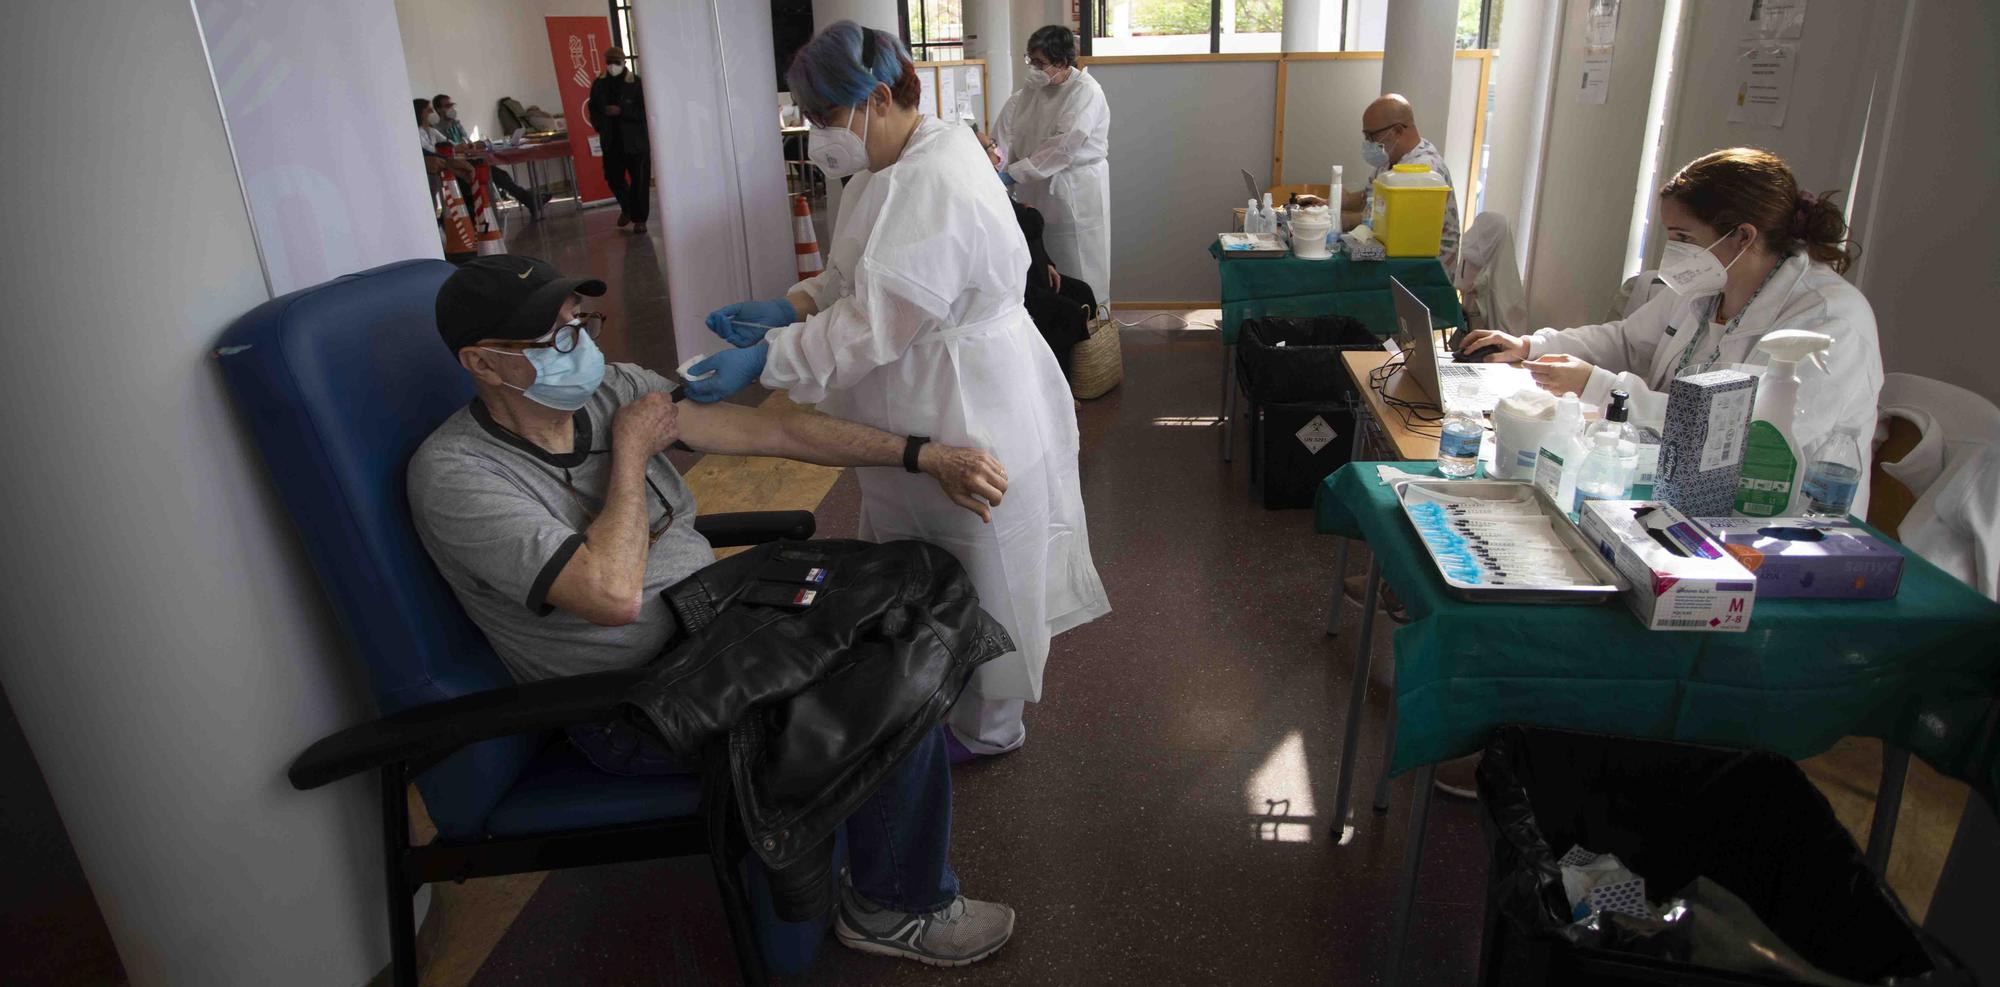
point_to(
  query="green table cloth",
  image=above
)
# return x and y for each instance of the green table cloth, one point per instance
(1252, 288)
(1920, 671)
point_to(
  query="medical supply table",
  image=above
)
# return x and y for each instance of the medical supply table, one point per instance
(530, 154)
(1918, 671)
(1257, 287)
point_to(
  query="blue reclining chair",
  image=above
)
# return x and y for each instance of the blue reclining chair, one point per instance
(339, 384)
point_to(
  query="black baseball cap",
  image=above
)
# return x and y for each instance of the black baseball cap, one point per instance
(504, 296)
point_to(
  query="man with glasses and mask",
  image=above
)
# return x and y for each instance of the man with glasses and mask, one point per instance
(551, 508)
(1389, 137)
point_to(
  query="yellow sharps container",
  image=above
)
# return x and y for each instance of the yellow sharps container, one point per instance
(1407, 210)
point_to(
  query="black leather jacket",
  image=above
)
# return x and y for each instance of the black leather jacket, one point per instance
(818, 704)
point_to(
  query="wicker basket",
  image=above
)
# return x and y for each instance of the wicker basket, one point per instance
(1096, 365)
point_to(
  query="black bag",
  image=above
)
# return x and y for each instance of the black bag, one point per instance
(1293, 447)
(1776, 890)
(1307, 367)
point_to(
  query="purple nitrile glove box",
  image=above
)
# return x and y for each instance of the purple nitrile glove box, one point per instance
(1811, 558)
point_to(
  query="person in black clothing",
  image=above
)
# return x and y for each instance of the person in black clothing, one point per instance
(617, 110)
(1060, 306)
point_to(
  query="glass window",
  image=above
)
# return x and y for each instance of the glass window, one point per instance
(1254, 25)
(621, 33)
(937, 30)
(1151, 27)
(1479, 23)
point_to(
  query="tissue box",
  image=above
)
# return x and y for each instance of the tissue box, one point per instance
(1701, 446)
(1811, 558)
(1678, 577)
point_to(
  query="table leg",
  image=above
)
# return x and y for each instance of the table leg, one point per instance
(1413, 861)
(1888, 804)
(1339, 586)
(1222, 409)
(1357, 696)
(1388, 755)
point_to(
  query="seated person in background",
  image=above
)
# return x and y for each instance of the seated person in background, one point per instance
(429, 137)
(1388, 138)
(454, 131)
(1747, 252)
(1061, 307)
(553, 511)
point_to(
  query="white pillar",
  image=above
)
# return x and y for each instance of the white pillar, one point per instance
(168, 650)
(1302, 24)
(721, 177)
(878, 14)
(989, 34)
(1523, 73)
(1418, 41)
(1033, 15)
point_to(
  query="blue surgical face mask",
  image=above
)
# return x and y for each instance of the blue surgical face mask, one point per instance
(1375, 154)
(563, 381)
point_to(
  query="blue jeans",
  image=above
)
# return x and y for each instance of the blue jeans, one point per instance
(898, 841)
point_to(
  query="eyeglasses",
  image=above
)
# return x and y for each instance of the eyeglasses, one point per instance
(1029, 60)
(1376, 134)
(562, 339)
(653, 530)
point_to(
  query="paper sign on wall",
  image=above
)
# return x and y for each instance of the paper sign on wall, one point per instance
(973, 84)
(1601, 31)
(1764, 82)
(927, 103)
(1596, 80)
(1773, 19)
(948, 93)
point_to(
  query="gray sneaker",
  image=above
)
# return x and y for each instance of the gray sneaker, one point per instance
(962, 933)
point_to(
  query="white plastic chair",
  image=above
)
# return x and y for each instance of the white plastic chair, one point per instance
(1488, 278)
(1953, 472)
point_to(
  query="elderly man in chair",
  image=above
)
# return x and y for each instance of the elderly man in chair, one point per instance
(551, 508)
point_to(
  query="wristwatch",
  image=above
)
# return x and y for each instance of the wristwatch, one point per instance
(910, 448)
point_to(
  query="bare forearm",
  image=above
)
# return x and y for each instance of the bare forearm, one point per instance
(833, 442)
(604, 579)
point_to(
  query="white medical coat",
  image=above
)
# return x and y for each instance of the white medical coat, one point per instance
(921, 331)
(1641, 354)
(1056, 139)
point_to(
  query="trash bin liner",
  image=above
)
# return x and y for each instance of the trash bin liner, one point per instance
(1307, 367)
(1785, 895)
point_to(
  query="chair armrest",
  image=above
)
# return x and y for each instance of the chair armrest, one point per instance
(755, 527)
(443, 727)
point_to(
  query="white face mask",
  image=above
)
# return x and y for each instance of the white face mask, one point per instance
(451, 114)
(1037, 78)
(615, 69)
(431, 119)
(1375, 153)
(1691, 269)
(838, 151)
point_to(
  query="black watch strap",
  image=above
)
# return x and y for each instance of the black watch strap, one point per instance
(910, 448)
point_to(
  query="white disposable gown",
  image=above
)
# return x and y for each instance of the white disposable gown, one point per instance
(1642, 354)
(921, 331)
(1055, 139)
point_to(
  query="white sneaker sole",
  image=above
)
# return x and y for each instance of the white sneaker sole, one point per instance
(865, 944)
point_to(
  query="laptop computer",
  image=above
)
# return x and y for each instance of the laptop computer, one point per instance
(1476, 387)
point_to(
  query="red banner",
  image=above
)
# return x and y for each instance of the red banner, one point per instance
(578, 45)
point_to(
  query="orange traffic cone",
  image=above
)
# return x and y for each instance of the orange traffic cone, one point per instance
(492, 237)
(457, 223)
(804, 243)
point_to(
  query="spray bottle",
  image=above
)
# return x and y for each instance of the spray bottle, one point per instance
(1769, 483)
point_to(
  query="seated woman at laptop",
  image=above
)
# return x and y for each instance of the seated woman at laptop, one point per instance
(1747, 252)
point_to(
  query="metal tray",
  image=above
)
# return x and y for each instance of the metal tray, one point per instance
(1608, 585)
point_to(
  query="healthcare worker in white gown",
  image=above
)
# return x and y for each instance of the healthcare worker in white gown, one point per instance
(1055, 133)
(916, 327)
(1747, 252)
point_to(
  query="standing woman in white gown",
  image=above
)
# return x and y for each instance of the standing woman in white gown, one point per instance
(916, 327)
(1055, 132)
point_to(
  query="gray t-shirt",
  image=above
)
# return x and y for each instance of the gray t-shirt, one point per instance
(501, 518)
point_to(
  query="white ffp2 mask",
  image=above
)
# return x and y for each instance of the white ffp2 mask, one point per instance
(838, 151)
(1691, 269)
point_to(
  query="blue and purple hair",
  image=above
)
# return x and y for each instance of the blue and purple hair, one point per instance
(834, 70)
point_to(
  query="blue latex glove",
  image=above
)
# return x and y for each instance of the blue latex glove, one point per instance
(1007, 179)
(734, 371)
(744, 323)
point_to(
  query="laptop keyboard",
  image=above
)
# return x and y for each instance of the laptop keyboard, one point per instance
(1463, 385)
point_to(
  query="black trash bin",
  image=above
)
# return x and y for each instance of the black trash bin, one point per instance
(1797, 902)
(1300, 401)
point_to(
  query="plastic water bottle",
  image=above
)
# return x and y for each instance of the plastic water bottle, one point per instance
(1458, 444)
(1833, 473)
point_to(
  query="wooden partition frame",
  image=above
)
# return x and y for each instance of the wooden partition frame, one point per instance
(1283, 59)
(985, 88)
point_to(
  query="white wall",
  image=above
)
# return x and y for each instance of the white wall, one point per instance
(322, 134)
(989, 26)
(477, 51)
(878, 14)
(1590, 171)
(721, 176)
(168, 651)
(1417, 48)
(1929, 262)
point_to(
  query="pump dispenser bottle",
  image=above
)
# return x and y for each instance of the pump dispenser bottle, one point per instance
(1769, 485)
